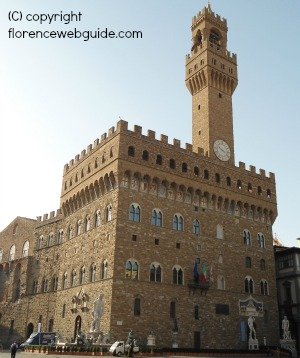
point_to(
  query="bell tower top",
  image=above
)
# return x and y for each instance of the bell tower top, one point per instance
(211, 78)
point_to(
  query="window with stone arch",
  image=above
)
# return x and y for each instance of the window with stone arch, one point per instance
(172, 164)
(25, 250)
(177, 274)
(104, 270)
(97, 218)
(247, 237)
(65, 280)
(221, 282)
(93, 270)
(261, 240)
(82, 275)
(12, 252)
(70, 232)
(156, 218)
(135, 212)
(249, 284)
(54, 283)
(178, 222)
(45, 285)
(220, 259)
(87, 223)
(196, 227)
(262, 264)
(131, 151)
(79, 227)
(219, 232)
(155, 272)
(1, 255)
(159, 159)
(73, 278)
(248, 262)
(60, 235)
(108, 213)
(132, 269)
(264, 288)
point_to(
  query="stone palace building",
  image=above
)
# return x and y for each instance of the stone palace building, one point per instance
(151, 235)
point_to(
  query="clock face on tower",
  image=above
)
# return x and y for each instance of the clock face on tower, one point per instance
(222, 150)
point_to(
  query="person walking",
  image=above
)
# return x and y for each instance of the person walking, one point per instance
(13, 350)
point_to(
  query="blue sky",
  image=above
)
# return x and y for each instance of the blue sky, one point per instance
(57, 96)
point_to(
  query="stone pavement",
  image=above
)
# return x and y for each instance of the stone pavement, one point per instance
(6, 354)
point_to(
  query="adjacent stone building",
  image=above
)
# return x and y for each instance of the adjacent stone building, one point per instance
(151, 236)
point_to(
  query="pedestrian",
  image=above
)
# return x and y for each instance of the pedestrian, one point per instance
(13, 350)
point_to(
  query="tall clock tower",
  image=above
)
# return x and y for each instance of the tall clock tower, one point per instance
(211, 77)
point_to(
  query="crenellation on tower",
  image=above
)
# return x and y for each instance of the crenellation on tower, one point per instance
(176, 143)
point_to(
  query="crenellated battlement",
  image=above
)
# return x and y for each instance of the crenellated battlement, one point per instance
(49, 217)
(230, 56)
(137, 132)
(207, 12)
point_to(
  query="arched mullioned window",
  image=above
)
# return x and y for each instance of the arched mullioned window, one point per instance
(196, 227)
(73, 278)
(268, 193)
(156, 217)
(93, 271)
(259, 190)
(25, 250)
(177, 275)
(87, 224)
(79, 227)
(65, 280)
(196, 171)
(132, 269)
(12, 252)
(228, 181)
(239, 184)
(131, 151)
(262, 264)
(221, 283)
(178, 222)
(97, 218)
(54, 283)
(134, 212)
(249, 187)
(261, 240)
(60, 235)
(70, 232)
(217, 177)
(248, 262)
(45, 285)
(108, 213)
(264, 289)
(155, 272)
(206, 174)
(247, 237)
(104, 270)
(219, 232)
(82, 275)
(249, 284)
(184, 168)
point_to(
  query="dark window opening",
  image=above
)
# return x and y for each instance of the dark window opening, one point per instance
(159, 159)
(145, 155)
(172, 164)
(218, 178)
(206, 174)
(184, 167)
(196, 171)
(131, 151)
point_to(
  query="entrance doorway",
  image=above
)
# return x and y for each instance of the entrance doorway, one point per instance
(77, 326)
(29, 329)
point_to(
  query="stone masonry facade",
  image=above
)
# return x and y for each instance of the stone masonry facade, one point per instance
(172, 239)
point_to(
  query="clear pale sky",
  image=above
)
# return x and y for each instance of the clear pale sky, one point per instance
(57, 96)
